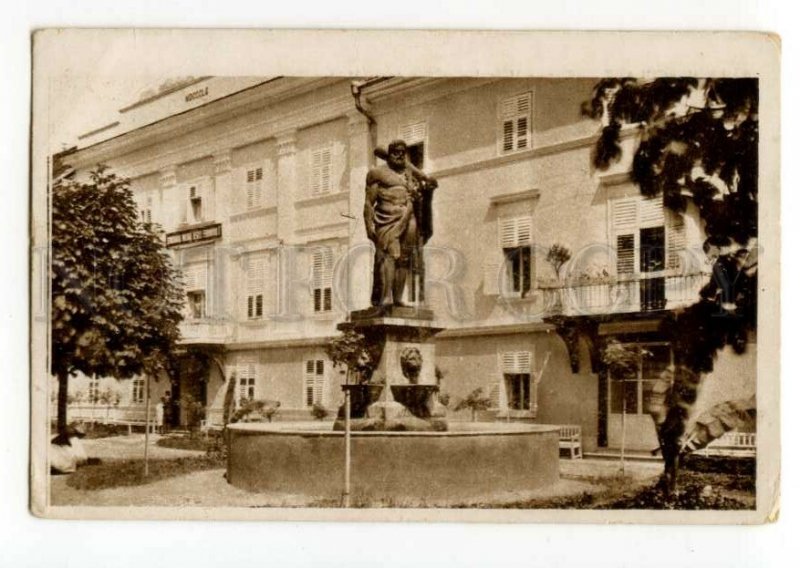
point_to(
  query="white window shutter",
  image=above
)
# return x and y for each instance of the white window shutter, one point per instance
(676, 240)
(256, 272)
(327, 171)
(255, 283)
(651, 212)
(309, 383)
(413, 133)
(194, 277)
(253, 181)
(523, 362)
(515, 231)
(493, 392)
(524, 231)
(319, 382)
(515, 121)
(189, 279)
(624, 213)
(270, 290)
(508, 362)
(507, 232)
(626, 253)
(321, 171)
(322, 268)
(508, 136)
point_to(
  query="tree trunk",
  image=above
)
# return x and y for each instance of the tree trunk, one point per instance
(63, 393)
(682, 397)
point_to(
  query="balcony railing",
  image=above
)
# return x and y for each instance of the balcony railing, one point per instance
(644, 292)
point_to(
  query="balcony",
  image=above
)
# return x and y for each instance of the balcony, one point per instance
(645, 292)
(205, 332)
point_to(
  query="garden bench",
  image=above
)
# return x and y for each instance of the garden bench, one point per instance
(732, 444)
(569, 438)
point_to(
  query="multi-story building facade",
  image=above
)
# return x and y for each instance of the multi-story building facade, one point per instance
(258, 185)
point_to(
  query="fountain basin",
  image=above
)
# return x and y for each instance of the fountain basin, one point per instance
(469, 461)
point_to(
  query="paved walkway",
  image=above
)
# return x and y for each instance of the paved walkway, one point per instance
(603, 468)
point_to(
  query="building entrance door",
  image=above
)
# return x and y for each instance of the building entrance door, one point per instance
(632, 395)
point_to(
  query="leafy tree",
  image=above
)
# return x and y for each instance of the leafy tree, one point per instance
(475, 402)
(319, 412)
(116, 299)
(358, 355)
(259, 409)
(698, 145)
(557, 256)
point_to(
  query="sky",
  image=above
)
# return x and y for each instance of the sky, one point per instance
(82, 102)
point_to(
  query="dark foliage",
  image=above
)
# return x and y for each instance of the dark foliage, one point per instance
(702, 153)
(116, 299)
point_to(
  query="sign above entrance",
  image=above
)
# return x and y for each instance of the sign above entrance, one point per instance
(194, 235)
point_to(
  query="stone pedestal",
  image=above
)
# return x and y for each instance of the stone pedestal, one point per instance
(402, 341)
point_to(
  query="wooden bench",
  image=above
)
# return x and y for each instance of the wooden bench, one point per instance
(569, 438)
(731, 444)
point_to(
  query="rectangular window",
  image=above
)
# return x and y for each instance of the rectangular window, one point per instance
(195, 205)
(194, 280)
(515, 123)
(321, 171)
(642, 238)
(256, 274)
(518, 267)
(147, 211)
(197, 304)
(322, 279)
(516, 372)
(632, 394)
(94, 391)
(314, 382)
(255, 177)
(515, 239)
(137, 390)
(246, 381)
(415, 135)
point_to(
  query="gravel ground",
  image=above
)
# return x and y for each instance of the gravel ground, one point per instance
(210, 489)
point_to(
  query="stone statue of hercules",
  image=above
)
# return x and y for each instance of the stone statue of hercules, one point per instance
(398, 219)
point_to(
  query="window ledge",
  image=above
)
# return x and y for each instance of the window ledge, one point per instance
(323, 316)
(252, 213)
(514, 197)
(320, 199)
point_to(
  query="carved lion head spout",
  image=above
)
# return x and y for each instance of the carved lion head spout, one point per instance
(411, 364)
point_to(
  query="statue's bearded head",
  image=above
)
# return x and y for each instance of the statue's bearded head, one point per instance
(397, 155)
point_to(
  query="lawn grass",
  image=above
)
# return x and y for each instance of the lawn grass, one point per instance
(696, 491)
(126, 473)
(196, 442)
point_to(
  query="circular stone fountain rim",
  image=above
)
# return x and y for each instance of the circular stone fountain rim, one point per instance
(315, 429)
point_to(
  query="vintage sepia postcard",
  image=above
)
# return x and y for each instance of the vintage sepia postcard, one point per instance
(439, 276)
